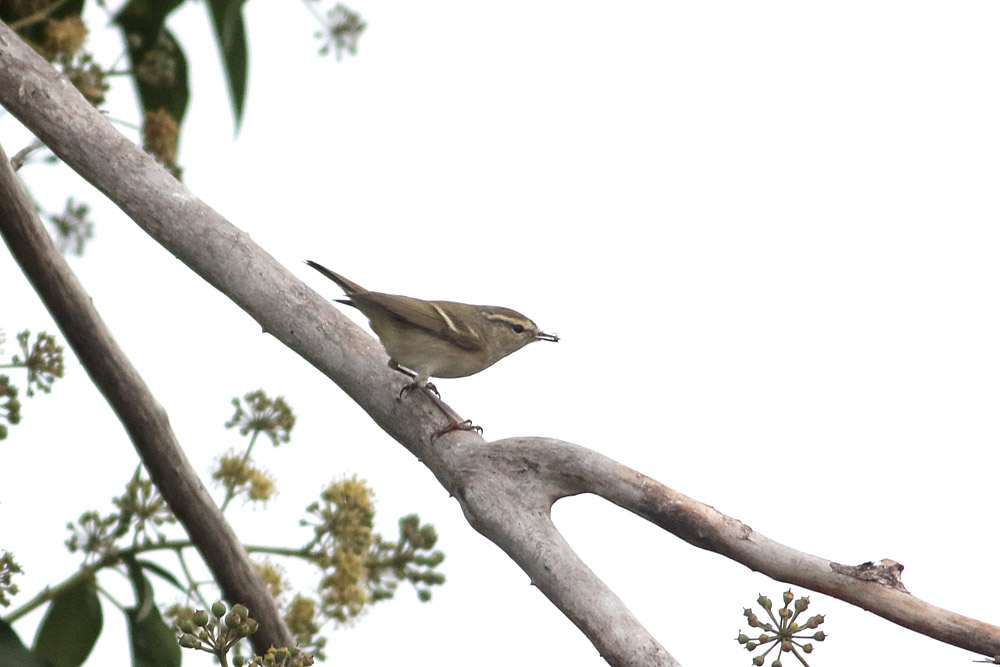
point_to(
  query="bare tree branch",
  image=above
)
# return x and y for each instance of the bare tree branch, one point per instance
(144, 419)
(524, 476)
(506, 488)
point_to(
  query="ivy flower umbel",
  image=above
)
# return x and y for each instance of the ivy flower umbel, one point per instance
(44, 361)
(237, 475)
(360, 567)
(220, 632)
(265, 415)
(93, 534)
(782, 633)
(8, 568)
(300, 617)
(10, 407)
(142, 506)
(342, 29)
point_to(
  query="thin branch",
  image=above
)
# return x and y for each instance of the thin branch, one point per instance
(19, 158)
(87, 571)
(41, 14)
(143, 418)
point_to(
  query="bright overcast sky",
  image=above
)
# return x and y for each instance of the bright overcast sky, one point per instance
(767, 233)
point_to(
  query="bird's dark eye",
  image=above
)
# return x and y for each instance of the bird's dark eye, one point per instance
(517, 328)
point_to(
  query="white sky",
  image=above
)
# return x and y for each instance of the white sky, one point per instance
(767, 233)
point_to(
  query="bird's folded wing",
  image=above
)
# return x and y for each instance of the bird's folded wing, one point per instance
(427, 315)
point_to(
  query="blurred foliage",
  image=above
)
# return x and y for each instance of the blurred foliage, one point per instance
(157, 66)
(360, 567)
(8, 568)
(357, 567)
(43, 361)
(72, 228)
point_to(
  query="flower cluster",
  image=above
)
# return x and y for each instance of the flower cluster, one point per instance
(782, 631)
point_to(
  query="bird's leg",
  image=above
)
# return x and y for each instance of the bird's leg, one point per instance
(453, 423)
(419, 379)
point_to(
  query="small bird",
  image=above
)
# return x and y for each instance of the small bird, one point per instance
(442, 339)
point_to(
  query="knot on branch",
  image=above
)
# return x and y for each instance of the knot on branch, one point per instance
(886, 572)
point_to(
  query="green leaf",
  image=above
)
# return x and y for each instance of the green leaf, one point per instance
(154, 643)
(146, 17)
(71, 625)
(158, 64)
(15, 654)
(161, 572)
(230, 33)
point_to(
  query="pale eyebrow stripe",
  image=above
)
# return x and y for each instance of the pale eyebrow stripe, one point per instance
(503, 318)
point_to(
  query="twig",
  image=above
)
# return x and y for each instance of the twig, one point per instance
(37, 16)
(19, 158)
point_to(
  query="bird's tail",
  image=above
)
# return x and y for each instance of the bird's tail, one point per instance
(345, 284)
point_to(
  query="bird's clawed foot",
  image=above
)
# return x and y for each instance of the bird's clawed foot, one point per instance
(453, 425)
(413, 385)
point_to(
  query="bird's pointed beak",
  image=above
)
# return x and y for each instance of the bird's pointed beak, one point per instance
(541, 335)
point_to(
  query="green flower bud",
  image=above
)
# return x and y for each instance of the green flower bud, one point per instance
(802, 604)
(219, 609)
(808, 648)
(743, 639)
(764, 602)
(200, 618)
(819, 636)
(239, 661)
(759, 660)
(189, 641)
(188, 627)
(787, 596)
(241, 611)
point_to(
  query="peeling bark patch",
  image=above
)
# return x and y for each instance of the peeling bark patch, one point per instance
(886, 572)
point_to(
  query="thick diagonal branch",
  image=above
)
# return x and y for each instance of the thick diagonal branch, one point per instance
(229, 260)
(144, 419)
